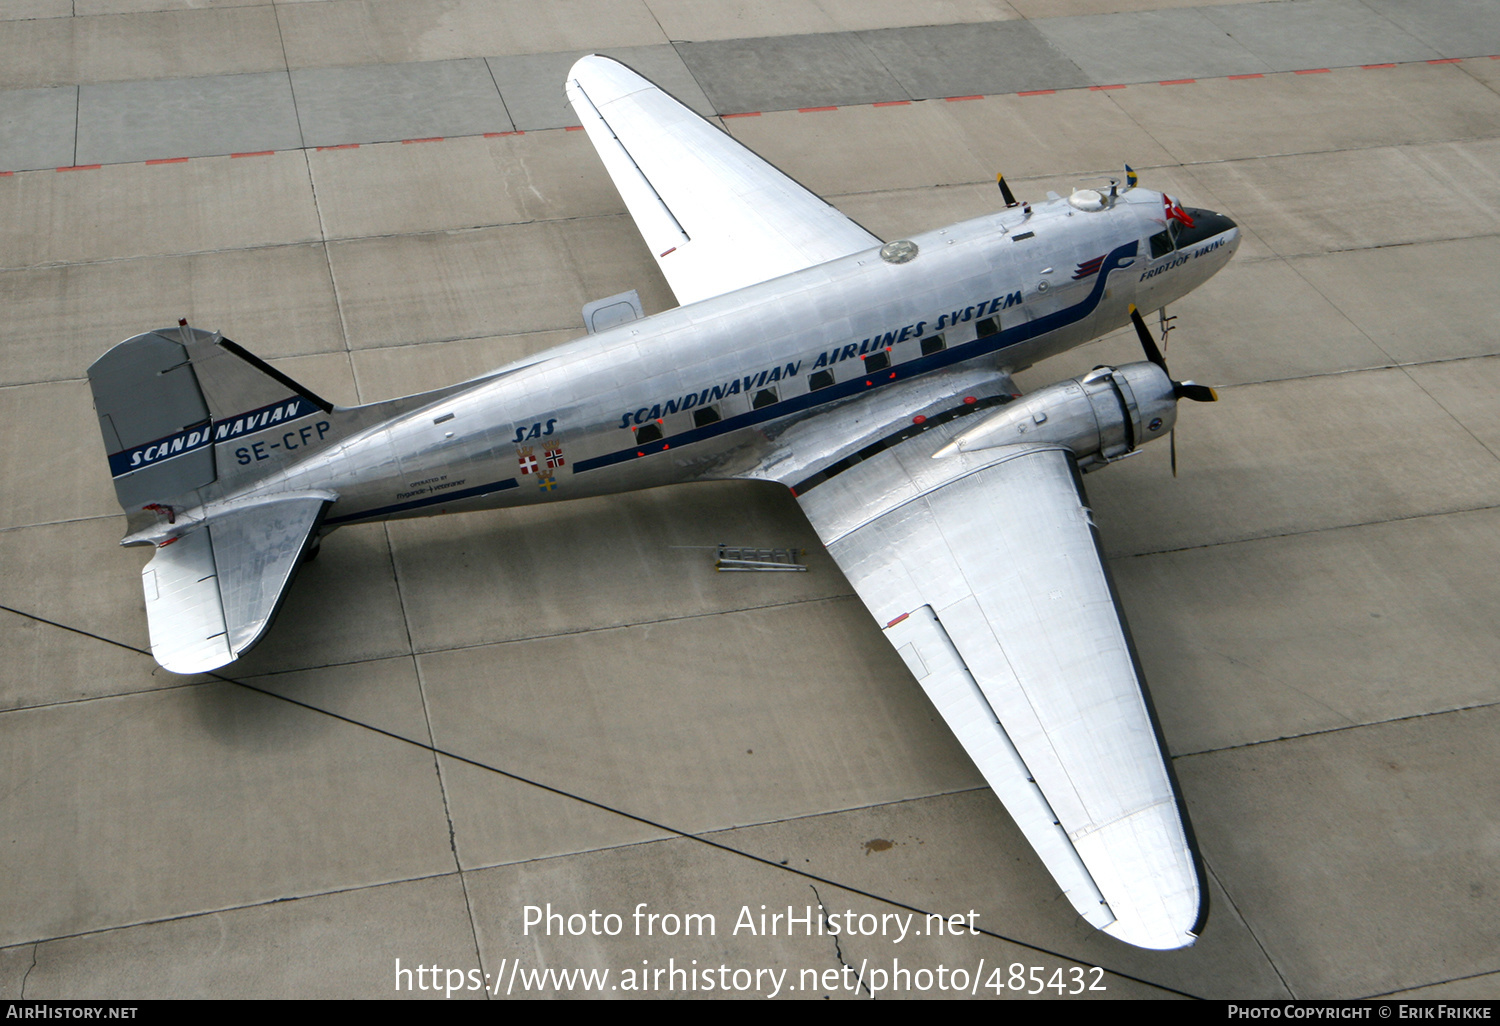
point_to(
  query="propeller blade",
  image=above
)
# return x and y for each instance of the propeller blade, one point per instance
(1194, 391)
(1005, 193)
(1172, 440)
(1147, 342)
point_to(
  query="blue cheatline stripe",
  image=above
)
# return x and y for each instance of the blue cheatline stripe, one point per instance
(192, 439)
(1005, 338)
(426, 500)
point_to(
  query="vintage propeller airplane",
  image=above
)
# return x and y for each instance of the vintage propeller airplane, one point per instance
(871, 378)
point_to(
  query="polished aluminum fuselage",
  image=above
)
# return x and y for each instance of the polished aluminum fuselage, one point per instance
(583, 419)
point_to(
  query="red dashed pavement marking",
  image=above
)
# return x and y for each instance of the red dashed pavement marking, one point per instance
(803, 110)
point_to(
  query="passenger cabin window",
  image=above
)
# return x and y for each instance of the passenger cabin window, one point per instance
(819, 379)
(933, 344)
(765, 397)
(986, 327)
(648, 433)
(703, 416)
(877, 361)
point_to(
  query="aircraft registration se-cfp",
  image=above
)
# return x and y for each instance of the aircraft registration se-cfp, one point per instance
(871, 378)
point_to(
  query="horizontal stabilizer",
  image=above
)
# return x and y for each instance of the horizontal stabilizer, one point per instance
(212, 593)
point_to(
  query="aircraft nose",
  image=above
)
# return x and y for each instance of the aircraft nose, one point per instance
(1208, 223)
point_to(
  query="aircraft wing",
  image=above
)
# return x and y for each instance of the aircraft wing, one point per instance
(212, 593)
(985, 571)
(716, 216)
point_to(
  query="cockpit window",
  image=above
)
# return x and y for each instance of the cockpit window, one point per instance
(1176, 235)
(1161, 242)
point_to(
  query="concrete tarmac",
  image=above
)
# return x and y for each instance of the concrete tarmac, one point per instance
(459, 719)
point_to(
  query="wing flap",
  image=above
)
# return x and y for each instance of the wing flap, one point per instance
(212, 593)
(934, 660)
(1001, 546)
(716, 216)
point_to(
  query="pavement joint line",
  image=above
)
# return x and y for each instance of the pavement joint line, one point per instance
(34, 947)
(437, 763)
(245, 906)
(58, 523)
(700, 838)
(1434, 983)
(883, 103)
(1208, 868)
(420, 877)
(1341, 728)
(511, 121)
(717, 831)
(470, 646)
(1458, 511)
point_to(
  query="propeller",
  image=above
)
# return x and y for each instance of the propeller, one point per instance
(1180, 389)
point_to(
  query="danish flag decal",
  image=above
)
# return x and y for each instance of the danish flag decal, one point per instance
(1175, 211)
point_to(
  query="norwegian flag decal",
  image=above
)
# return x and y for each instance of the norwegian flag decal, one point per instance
(555, 458)
(1088, 267)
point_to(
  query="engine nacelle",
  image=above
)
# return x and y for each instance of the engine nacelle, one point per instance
(1104, 415)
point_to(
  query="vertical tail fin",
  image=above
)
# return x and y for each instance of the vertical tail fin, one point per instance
(171, 401)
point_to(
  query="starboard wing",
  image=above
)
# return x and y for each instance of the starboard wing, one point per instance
(212, 593)
(716, 216)
(984, 570)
